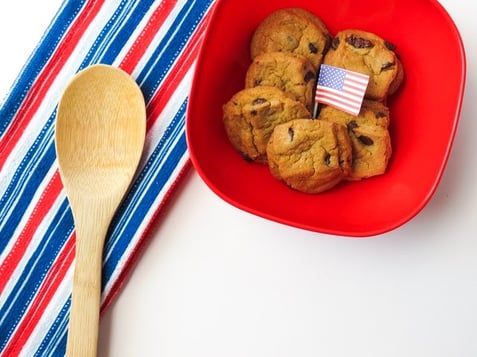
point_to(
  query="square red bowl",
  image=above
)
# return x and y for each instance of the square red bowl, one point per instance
(424, 115)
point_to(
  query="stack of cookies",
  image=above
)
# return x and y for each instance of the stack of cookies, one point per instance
(270, 122)
(367, 53)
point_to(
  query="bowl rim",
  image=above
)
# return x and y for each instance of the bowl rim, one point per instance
(371, 232)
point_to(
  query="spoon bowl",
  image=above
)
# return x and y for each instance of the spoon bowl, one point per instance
(99, 137)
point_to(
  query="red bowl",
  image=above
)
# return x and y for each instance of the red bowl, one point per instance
(424, 115)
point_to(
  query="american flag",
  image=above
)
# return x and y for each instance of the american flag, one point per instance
(341, 88)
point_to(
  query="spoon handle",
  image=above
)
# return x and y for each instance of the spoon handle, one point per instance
(91, 228)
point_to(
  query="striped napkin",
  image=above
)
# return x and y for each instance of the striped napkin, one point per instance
(157, 42)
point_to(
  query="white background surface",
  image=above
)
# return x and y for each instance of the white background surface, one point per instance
(216, 281)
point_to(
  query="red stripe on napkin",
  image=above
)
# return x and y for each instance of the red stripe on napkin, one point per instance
(176, 74)
(43, 206)
(37, 307)
(136, 51)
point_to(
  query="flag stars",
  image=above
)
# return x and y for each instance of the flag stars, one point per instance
(331, 77)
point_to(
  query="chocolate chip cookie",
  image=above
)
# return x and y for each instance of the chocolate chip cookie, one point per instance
(309, 155)
(251, 114)
(288, 71)
(292, 30)
(369, 134)
(367, 53)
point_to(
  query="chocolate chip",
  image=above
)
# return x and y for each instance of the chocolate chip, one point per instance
(246, 157)
(309, 76)
(291, 133)
(366, 140)
(257, 82)
(380, 115)
(312, 48)
(363, 138)
(259, 101)
(253, 112)
(352, 125)
(359, 42)
(327, 159)
(327, 44)
(335, 43)
(389, 46)
(387, 66)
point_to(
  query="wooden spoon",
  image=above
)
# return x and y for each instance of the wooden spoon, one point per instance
(100, 133)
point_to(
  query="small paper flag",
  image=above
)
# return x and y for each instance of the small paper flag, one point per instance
(341, 88)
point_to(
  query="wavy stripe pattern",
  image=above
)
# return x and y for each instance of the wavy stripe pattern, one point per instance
(157, 42)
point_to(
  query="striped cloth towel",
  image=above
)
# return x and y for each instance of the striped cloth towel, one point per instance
(157, 42)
